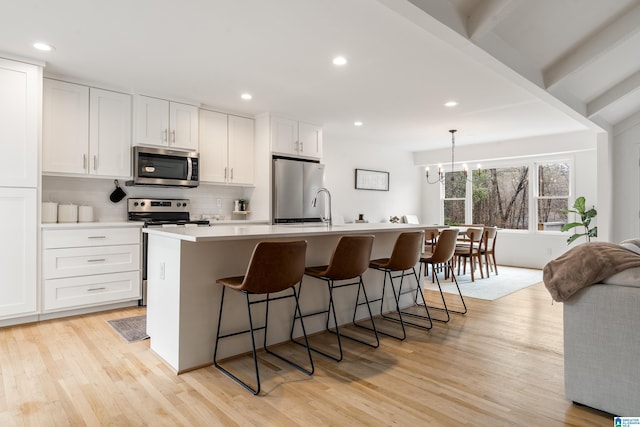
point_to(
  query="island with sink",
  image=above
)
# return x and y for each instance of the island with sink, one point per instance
(183, 297)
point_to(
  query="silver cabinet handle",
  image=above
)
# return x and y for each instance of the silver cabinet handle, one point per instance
(297, 146)
(97, 237)
(84, 161)
(96, 260)
(231, 174)
(166, 133)
(225, 173)
(173, 136)
(95, 163)
(96, 289)
(301, 146)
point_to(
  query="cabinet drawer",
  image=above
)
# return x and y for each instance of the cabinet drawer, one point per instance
(91, 290)
(90, 260)
(90, 237)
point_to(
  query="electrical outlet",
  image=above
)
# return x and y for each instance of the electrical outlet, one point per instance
(219, 203)
(162, 270)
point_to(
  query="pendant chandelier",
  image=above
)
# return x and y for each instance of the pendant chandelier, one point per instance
(441, 173)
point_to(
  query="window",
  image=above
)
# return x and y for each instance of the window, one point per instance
(455, 189)
(501, 197)
(553, 195)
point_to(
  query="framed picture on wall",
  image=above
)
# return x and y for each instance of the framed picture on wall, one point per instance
(372, 180)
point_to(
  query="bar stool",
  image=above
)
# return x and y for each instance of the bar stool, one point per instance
(349, 260)
(274, 267)
(404, 257)
(443, 255)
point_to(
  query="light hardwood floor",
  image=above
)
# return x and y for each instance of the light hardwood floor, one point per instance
(500, 365)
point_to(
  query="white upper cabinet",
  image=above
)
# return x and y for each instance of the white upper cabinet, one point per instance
(241, 150)
(109, 133)
(292, 137)
(65, 127)
(166, 123)
(86, 130)
(20, 90)
(226, 148)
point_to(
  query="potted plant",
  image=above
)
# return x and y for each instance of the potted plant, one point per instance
(585, 220)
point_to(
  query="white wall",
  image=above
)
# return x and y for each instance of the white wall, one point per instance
(522, 248)
(343, 157)
(626, 195)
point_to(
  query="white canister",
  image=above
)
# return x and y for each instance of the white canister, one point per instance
(68, 213)
(85, 213)
(49, 212)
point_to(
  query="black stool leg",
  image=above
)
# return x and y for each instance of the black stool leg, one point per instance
(253, 390)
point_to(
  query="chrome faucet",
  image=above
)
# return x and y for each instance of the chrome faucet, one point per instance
(315, 200)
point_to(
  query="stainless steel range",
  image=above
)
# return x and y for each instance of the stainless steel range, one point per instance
(159, 213)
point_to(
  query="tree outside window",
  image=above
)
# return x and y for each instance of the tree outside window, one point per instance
(455, 189)
(553, 195)
(501, 197)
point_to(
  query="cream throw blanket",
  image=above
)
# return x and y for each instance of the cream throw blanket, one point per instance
(585, 265)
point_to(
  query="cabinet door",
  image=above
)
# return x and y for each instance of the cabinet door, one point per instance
(152, 121)
(18, 260)
(110, 133)
(241, 143)
(65, 127)
(183, 121)
(310, 140)
(19, 106)
(213, 147)
(284, 135)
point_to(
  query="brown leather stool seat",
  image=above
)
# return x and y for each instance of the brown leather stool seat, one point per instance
(274, 267)
(443, 256)
(404, 257)
(349, 261)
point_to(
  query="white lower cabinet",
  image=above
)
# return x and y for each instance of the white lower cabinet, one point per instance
(92, 266)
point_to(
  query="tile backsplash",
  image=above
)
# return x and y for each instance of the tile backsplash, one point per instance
(95, 192)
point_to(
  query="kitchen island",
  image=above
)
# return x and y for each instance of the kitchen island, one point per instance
(183, 297)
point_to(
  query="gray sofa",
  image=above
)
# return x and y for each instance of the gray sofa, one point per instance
(602, 345)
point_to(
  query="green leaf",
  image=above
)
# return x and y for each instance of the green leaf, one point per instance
(574, 237)
(580, 204)
(571, 225)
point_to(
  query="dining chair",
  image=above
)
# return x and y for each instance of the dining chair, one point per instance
(274, 267)
(443, 256)
(489, 249)
(470, 249)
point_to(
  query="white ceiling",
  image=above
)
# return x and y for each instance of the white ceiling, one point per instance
(517, 68)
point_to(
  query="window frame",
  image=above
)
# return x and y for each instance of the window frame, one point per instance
(532, 163)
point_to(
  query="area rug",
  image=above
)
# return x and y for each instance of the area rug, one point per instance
(509, 280)
(132, 329)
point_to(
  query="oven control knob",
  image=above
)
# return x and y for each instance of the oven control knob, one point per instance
(141, 203)
(178, 204)
(184, 205)
(135, 203)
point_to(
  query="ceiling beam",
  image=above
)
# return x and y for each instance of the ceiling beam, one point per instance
(443, 11)
(487, 16)
(593, 48)
(614, 94)
(626, 124)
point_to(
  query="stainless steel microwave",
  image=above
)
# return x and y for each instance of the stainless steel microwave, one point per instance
(164, 167)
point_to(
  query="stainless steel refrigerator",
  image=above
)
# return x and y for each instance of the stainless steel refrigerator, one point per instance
(295, 184)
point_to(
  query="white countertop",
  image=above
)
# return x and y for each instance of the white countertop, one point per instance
(235, 232)
(97, 224)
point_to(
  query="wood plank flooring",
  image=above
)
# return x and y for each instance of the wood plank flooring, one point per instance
(500, 365)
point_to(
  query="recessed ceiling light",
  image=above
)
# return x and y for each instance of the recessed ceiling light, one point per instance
(450, 104)
(43, 46)
(246, 96)
(339, 60)
(358, 123)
